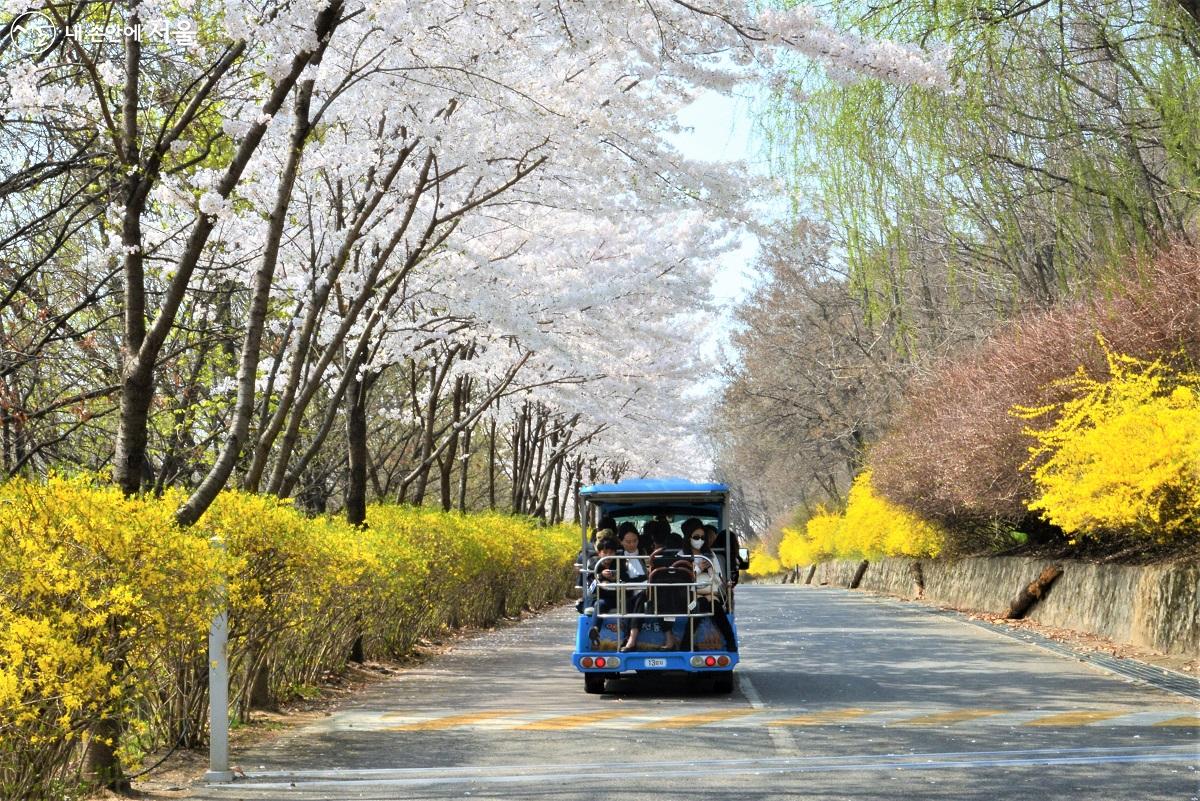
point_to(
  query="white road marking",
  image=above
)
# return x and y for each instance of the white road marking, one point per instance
(785, 743)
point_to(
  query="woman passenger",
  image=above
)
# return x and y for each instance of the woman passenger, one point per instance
(633, 569)
(709, 581)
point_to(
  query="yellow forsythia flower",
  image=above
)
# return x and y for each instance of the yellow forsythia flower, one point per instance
(870, 527)
(105, 603)
(762, 563)
(1122, 455)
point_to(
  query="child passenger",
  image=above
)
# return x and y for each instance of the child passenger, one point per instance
(603, 598)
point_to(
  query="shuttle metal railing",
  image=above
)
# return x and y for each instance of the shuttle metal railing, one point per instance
(645, 598)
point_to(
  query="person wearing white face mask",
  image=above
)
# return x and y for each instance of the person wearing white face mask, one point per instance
(709, 583)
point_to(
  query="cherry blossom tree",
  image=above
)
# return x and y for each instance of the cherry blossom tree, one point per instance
(286, 171)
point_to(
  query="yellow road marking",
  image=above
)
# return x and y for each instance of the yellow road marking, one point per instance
(822, 718)
(1077, 718)
(574, 721)
(1186, 720)
(451, 721)
(698, 719)
(944, 718)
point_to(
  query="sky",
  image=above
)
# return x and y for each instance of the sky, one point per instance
(720, 127)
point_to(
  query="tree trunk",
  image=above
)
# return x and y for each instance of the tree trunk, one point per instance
(446, 464)
(918, 575)
(260, 686)
(137, 376)
(100, 763)
(530, 450)
(436, 377)
(129, 460)
(1033, 593)
(218, 476)
(558, 469)
(356, 479)
(518, 443)
(858, 575)
(536, 498)
(464, 471)
(491, 465)
(6, 421)
(419, 484)
(356, 447)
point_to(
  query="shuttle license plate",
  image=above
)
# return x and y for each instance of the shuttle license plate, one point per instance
(656, 663)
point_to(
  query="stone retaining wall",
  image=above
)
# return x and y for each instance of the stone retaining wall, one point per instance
(1155, 607)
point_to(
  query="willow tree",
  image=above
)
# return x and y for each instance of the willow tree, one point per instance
(1071, 140)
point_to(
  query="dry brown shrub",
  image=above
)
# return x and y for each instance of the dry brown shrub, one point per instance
(954, 453)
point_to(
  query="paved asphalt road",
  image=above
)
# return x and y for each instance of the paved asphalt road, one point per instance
(839, 696)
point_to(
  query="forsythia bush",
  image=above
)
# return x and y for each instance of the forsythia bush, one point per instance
(297, 586)
(105, 605)
(870, 527)
(95, 591)
(1122, 454)
(762, 563)
(814, 542)
(489, 565)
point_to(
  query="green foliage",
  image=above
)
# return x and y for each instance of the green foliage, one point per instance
(1070, 141)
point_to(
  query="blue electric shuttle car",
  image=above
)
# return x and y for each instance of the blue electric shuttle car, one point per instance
(677, 597)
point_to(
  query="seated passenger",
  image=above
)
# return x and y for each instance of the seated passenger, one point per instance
(634, 569)
(660, 536)
(631, 541)
(729, 561)
(714, 544)
(587, 561)
(675, 539)
(604, 599)
(709, 581)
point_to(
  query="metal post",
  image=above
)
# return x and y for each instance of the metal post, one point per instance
(218, 686)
